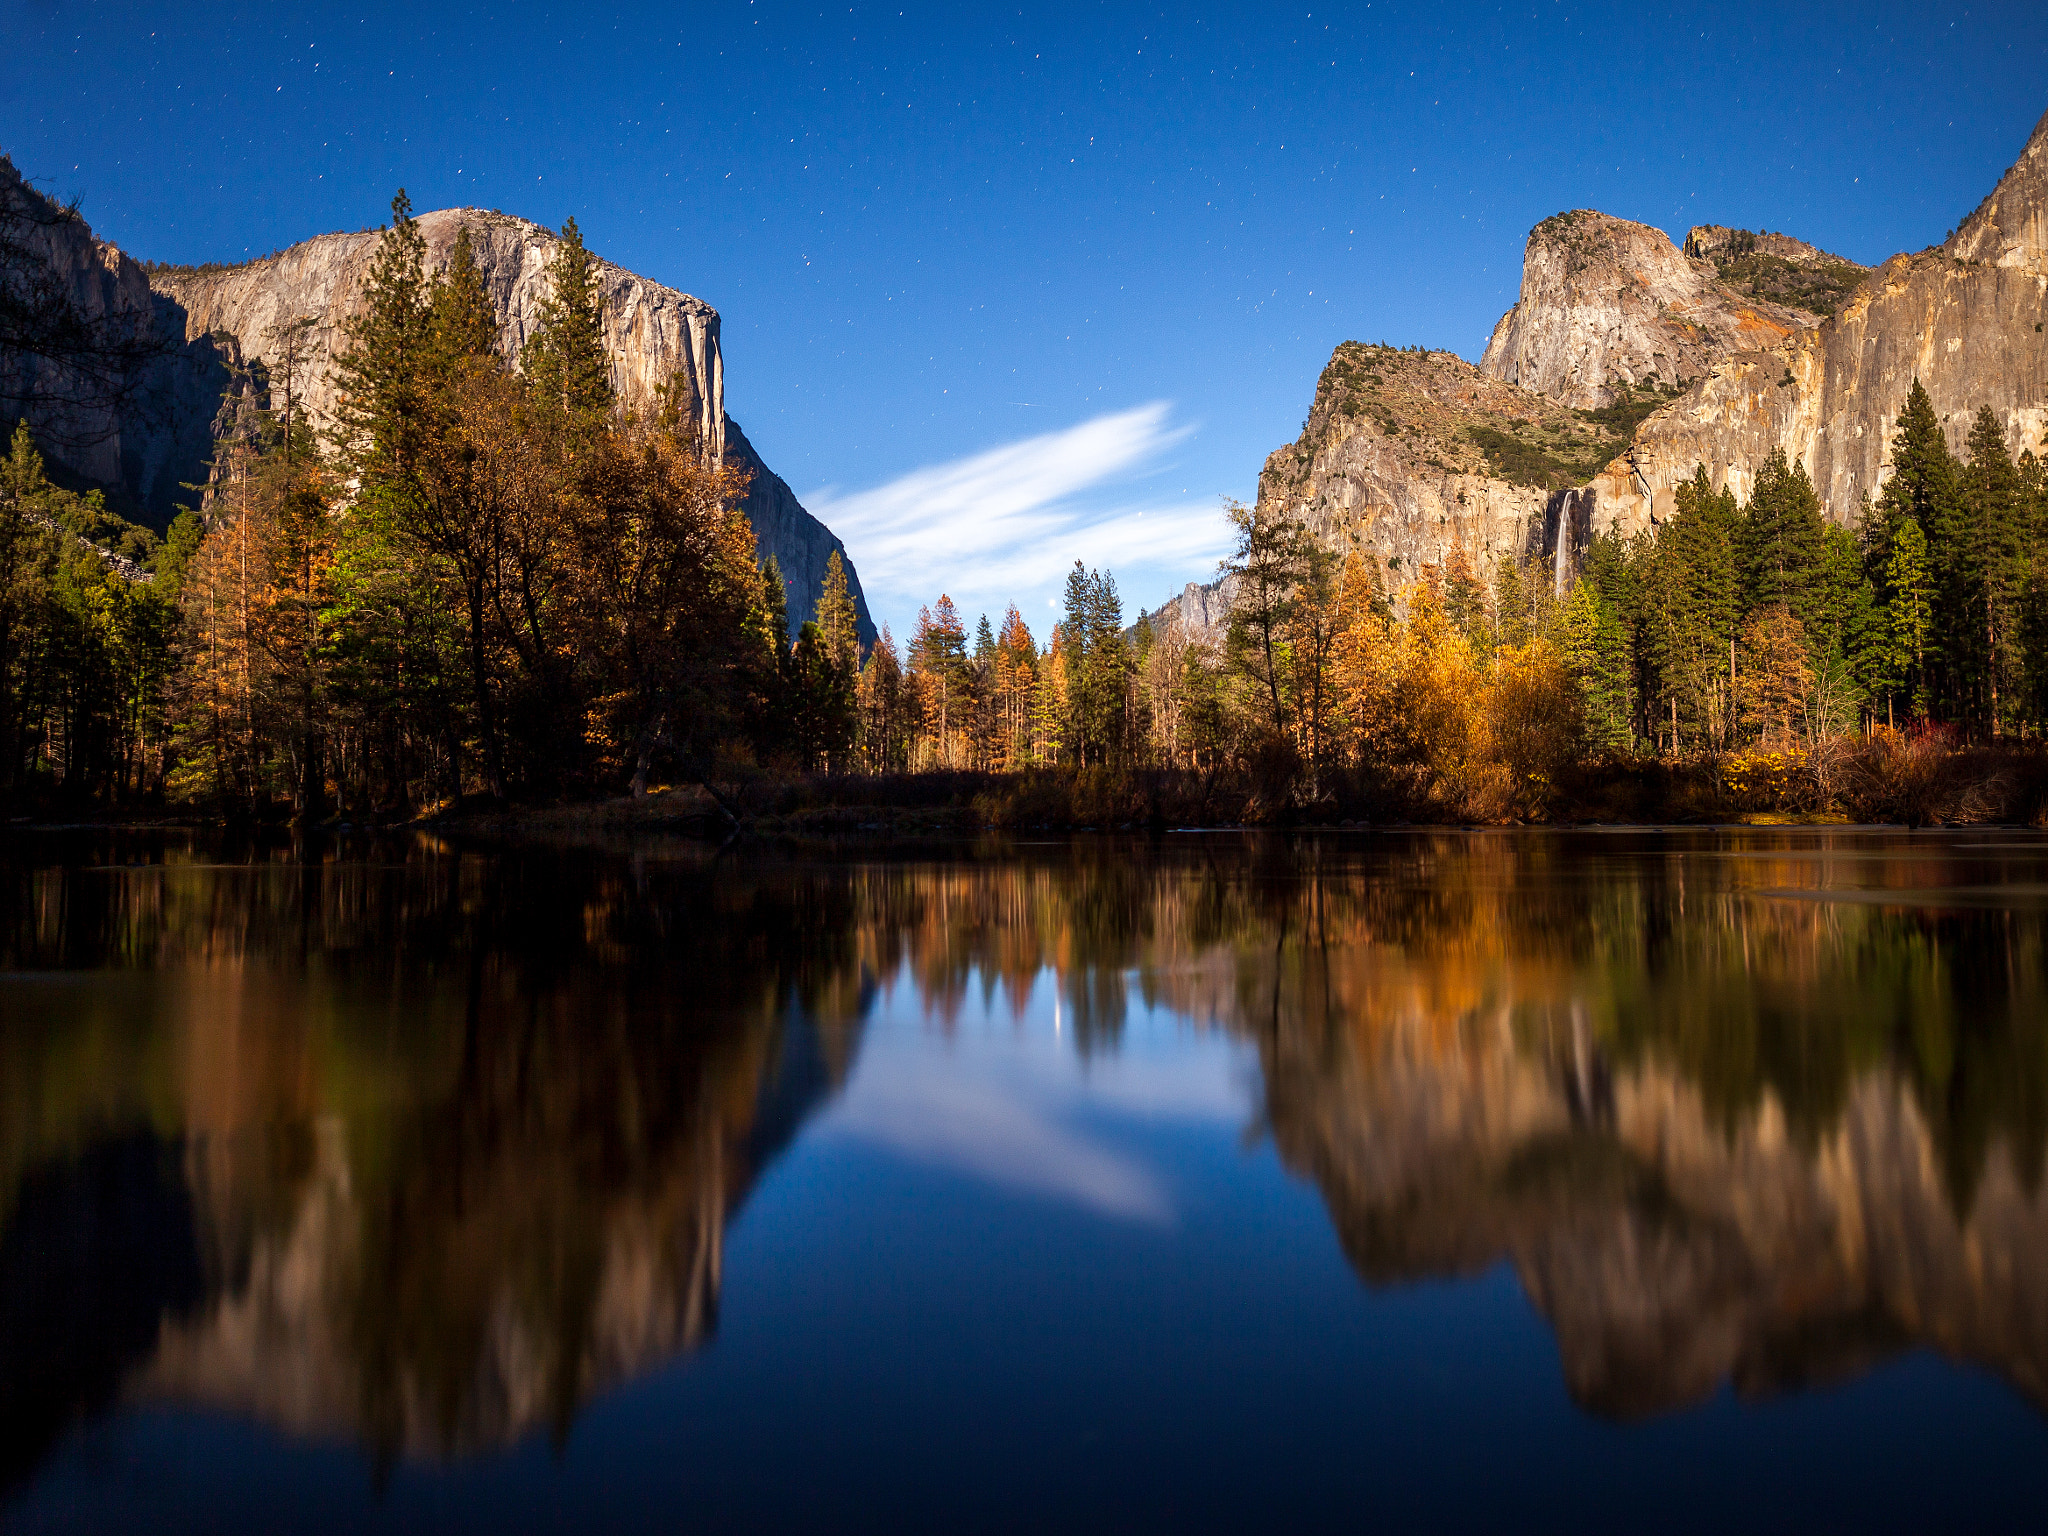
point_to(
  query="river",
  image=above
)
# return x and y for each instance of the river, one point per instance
(1576, 1180)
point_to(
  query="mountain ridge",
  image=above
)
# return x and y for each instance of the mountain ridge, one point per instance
(1612, 312)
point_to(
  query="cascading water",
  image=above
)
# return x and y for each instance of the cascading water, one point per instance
(1560, 521)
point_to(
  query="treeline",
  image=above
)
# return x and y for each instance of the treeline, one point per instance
(487, 576)
(1755, 633)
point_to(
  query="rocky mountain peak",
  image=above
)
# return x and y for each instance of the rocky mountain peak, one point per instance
(1609, 306)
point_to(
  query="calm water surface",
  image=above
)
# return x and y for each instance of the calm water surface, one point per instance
(1602, 1181)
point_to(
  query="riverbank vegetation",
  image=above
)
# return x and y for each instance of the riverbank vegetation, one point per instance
(490, 583)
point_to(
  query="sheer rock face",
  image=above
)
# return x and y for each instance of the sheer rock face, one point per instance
(1968, 319)
(1396, 478)
(218, 320)
(1386, 468)
(653, 332)
(1607, 303)
(158, 431)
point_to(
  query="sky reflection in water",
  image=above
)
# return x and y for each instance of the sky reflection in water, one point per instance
(1579, 1181)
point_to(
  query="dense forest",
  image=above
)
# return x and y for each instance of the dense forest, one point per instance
(490, 579)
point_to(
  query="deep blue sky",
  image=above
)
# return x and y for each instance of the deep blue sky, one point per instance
(934, 232)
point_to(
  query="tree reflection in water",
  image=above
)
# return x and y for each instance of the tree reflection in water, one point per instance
(424, 1149)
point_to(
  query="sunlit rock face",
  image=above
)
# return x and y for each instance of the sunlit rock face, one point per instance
(217, 320)
(1968, 319)
(653, 333)
(1610, 310)
(1606, 304)
(1389, 468)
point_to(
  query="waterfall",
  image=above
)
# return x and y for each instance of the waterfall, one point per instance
(1557, 527)
(1560, 559)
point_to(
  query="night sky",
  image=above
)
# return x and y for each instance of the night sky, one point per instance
(996, 281)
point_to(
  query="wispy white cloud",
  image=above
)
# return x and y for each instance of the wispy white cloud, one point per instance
(1005, 525)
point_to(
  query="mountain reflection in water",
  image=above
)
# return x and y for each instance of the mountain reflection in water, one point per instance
(422, 1148)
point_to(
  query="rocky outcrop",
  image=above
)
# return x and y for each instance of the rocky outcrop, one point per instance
(1608, 306)
(801, 544)
(1577, 412)
(1775, 268)
(214, 322)
(1411, 458)
(655, 334)
(135, 420)
(1968, 319)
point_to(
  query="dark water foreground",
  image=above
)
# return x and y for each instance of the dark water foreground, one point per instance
(1602, 1181)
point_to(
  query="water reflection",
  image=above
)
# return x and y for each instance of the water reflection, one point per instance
(425, 1150)
(422, 1154)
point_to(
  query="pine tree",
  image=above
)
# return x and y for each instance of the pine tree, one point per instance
(1908, 614)
(839, 681)
(462, 322)
(1998, 559)
(838, 619)
(1595, 651)
(1268, 562)
(1924, 488)
(382, 417)
(1690, 609)
(1782, 542)
(565, 363)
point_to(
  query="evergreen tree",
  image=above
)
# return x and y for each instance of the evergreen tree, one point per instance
(1908, 616)
(839, 636)
(1269, 560)
(838, 619)
(1690, 607)
(462, 323)
(382, 416)
(1596, 652)
(1782, 542)
(565, 362)
(1922, 479)
(1998, 563)
(1097, 666)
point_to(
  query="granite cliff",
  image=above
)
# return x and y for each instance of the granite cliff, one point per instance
(1965, 318)
(1608, 305)
(214, 320)
(136, 428)
(1627, 362)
